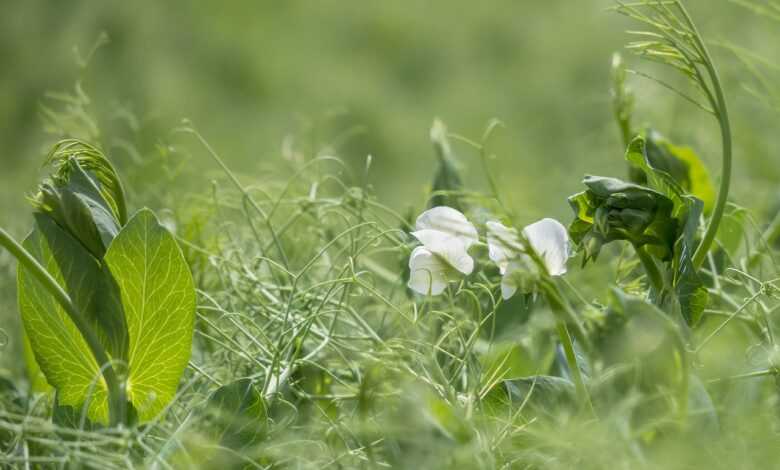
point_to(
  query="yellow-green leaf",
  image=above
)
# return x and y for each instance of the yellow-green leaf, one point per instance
(158, 297)
(60, 351)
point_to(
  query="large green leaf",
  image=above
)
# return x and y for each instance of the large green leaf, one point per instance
(59, 348)
(158, 297)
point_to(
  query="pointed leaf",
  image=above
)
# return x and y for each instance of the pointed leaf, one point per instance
(158, 297)
(60, 350)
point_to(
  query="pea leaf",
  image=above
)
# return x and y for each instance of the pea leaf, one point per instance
(75, 201)
(60, 351)
(38, 383)
(158, 297)
(688, 285)
(683, 165)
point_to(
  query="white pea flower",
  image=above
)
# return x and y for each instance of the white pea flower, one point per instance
(547, 237)
(446, 236)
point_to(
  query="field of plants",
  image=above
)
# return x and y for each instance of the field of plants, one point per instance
(413, 235)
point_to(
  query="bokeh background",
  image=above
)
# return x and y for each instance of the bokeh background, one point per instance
(368, 78)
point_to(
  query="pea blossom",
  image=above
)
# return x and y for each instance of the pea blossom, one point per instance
(446, 235)
(547, 237)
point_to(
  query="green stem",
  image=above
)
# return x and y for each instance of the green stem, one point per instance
(725, 132)
(115, 392)
(571, 360)
(566, 317)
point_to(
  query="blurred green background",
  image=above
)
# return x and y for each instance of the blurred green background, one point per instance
(253, 74)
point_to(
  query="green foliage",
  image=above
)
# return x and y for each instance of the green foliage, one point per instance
(158, 299)
(239, 415)
(611, 209)
(129, 282)
(60, 350)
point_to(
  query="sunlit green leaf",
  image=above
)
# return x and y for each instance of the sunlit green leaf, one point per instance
(731, 232)
(60, 350)
(158, 297)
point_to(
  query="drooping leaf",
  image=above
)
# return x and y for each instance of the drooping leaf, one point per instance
(239, 413)
(58, 346)
(158, 297)
(689, 287)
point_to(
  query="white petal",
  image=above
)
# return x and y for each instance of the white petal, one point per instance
(509, 280)
(448, 247)
(503, 244)
(550, 240)
(428, 273)
(448, 220)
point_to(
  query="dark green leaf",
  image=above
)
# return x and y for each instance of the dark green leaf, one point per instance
(689, 287)
(240, 414)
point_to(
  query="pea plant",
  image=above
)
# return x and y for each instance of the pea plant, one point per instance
(331, 330)
(107, 300)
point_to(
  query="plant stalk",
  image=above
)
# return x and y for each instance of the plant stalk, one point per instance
(726, 144)
(116, 398)
(571, 360)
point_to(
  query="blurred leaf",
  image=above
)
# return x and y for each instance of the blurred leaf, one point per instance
(240, 414)
(158, 297)
(448, 420)
(447, 181)
(631, 328)
(506, 361)
(731, 231)
(703, 414)
(544, 393)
